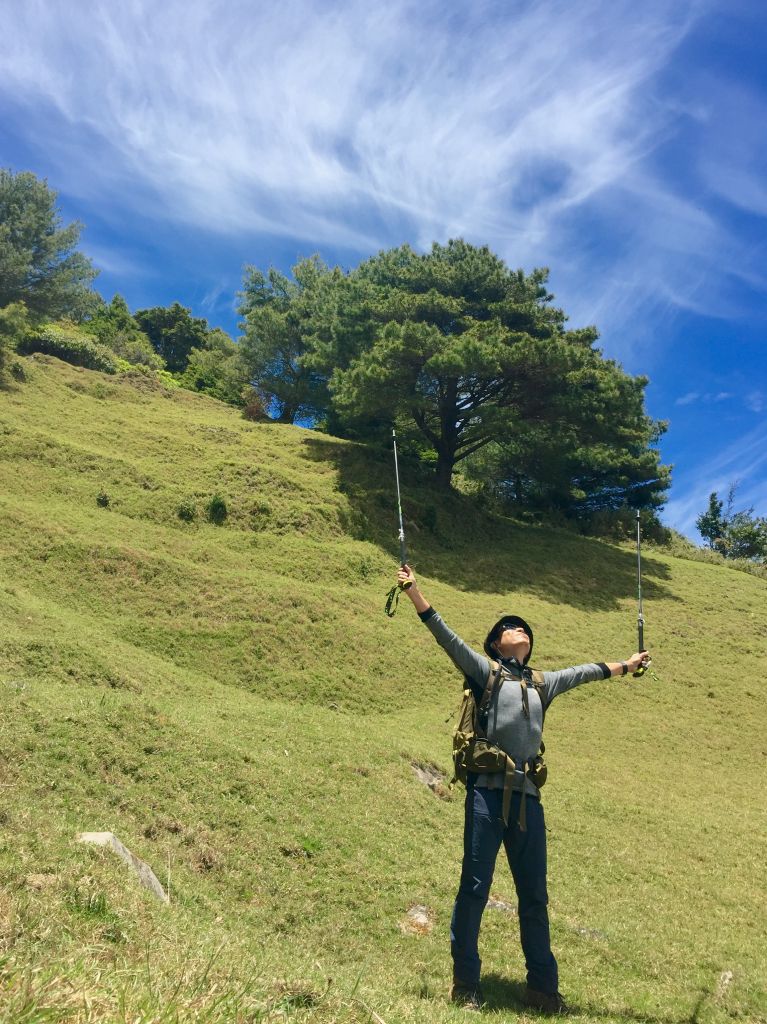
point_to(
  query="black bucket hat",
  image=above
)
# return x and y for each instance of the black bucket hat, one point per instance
(492, 636)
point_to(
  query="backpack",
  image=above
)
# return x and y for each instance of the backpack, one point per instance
(474, 754)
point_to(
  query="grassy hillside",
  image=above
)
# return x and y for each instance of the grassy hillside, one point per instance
(231, 701)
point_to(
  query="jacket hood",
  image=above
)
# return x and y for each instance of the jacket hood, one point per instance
(514, 620)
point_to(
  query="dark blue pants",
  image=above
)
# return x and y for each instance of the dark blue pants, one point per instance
(484, 832)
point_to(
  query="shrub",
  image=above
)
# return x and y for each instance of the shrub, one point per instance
(186, 511)
(71, 345)
(14, 324)
(167, 379)
(136, 350)
(217, 510)
(260, 515)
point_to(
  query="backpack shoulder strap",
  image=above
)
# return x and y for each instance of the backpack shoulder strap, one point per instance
(493, 675)
(537, 679)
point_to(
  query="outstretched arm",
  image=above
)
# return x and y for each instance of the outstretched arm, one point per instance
(567, 678)
(463, 657)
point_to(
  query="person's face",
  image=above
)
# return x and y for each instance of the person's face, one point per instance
(513, 641)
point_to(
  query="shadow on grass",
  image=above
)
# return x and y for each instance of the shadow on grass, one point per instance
(453, 539)
(502, 994)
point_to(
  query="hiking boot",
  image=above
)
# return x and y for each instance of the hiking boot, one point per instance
(546, 1002)
(467, 996)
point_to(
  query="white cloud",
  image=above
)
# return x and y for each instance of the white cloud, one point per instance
(308, 112)
(357, 126)
(695, 396)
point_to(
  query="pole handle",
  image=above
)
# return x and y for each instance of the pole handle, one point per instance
(646, 662)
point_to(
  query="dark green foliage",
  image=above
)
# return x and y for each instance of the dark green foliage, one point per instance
(14, 325)
(173, 332)
(114, 327)
(593, 461)
(187, 511)
(68, 342)
(733, 534)
(282, 319)
(217, 511)
(39, 264)
(711, 524)
(466, 355)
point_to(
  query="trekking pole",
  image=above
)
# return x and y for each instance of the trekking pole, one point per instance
(392, 598)
(640, 618)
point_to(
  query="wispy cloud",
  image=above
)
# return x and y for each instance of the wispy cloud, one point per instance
(742, 462)
(695, 396)
(688, 399)
(358, 126)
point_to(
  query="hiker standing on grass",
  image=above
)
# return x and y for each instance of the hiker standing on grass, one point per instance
(511, 717)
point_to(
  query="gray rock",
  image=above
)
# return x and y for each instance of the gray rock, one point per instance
(140, 868)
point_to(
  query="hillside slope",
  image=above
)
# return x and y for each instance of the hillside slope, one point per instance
(231, 701)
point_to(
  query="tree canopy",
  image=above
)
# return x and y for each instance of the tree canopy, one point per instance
(173, 332)
(217, 369)
(282, 318)
(468, 354)
(115, 327)
(734, 534)
(39, 262)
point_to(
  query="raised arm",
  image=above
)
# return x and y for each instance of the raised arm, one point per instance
(405, 577)
(466, 659)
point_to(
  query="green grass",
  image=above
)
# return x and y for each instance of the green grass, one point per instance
(231, 701)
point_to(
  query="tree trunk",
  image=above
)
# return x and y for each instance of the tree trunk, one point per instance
(445, 465)
(288, 414)
(446, 449)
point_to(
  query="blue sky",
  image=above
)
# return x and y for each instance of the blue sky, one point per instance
(623, 145)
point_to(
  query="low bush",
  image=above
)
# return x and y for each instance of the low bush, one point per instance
(14, 324)
(217, 510)
(186, 511)
(71, 345)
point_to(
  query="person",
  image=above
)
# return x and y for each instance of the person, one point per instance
(514, 723)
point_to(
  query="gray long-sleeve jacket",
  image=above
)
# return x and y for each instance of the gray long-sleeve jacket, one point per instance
(507, 726)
